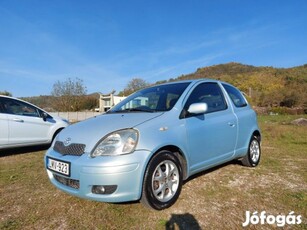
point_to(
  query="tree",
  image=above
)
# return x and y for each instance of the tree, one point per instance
(69, 94)
(134, 85)
(5, 93)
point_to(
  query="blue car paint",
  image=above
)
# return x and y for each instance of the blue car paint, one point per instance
(227, 134)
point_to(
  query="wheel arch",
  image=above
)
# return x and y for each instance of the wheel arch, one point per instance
(56, 133)
(257, 134)
(179, 154)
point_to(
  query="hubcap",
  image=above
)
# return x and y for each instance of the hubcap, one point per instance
(165, 181)
(254, 150)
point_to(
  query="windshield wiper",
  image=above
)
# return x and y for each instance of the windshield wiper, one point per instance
(134, 110)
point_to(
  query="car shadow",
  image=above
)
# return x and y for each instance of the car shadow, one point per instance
(182, 221)
(22, 150)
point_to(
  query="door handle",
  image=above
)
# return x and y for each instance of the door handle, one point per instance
(231, 124)
(18, 120)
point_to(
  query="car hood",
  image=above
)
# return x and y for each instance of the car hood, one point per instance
(90, 131)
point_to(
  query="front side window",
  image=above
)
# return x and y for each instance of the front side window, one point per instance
(235, 95)
(155, 99)
(15, 107)
(209, 93)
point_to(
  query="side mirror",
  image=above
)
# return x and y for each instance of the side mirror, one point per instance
(198, 108)
(44, 116)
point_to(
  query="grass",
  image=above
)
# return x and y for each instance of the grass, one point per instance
(216, 199)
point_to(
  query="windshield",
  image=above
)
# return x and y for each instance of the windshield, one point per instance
(155, 99)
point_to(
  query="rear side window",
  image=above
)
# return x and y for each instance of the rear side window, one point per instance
(235, 95)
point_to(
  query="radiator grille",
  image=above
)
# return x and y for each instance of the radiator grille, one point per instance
(74, 149)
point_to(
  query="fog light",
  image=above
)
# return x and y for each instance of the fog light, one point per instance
(98, 189)
(104, 189)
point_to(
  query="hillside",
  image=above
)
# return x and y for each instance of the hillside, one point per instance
(264, 86)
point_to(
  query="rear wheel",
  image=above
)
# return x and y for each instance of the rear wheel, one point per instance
(252, 158)
(162, 182)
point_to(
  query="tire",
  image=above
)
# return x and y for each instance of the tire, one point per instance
(162, 181)
(252, 158)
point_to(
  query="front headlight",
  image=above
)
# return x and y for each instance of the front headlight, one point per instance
(117, 143)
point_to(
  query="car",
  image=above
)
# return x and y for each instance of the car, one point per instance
(148, 144)
(24, 124)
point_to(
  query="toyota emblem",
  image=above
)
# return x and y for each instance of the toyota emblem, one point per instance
(67, 141)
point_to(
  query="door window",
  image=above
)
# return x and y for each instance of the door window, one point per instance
(209, 93)
(15, 107)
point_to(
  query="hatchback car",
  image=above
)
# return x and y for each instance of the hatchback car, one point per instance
(23, 124)
(148, 144)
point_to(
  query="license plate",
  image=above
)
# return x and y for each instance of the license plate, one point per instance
(61, 167)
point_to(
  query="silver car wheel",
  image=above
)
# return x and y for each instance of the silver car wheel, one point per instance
(165, 181)
(254, 150)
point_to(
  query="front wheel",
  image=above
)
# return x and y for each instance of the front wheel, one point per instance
(252, 158)
(162, 182)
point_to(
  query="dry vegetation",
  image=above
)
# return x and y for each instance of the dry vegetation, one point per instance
(216, 199)
(265, 86)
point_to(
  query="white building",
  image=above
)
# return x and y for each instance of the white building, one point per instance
(107, 101)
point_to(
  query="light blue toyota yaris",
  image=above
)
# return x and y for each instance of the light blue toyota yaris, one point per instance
(144, 147)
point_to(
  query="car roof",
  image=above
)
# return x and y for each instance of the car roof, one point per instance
(190, 81)
(9, 97)
(15, 98)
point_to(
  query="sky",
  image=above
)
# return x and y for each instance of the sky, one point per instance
(106, 43)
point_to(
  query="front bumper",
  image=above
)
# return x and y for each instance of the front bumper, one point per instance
(124, 171)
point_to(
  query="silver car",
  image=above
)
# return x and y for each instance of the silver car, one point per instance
(23, 124)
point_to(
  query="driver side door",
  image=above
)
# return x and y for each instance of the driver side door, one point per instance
(211, 136)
